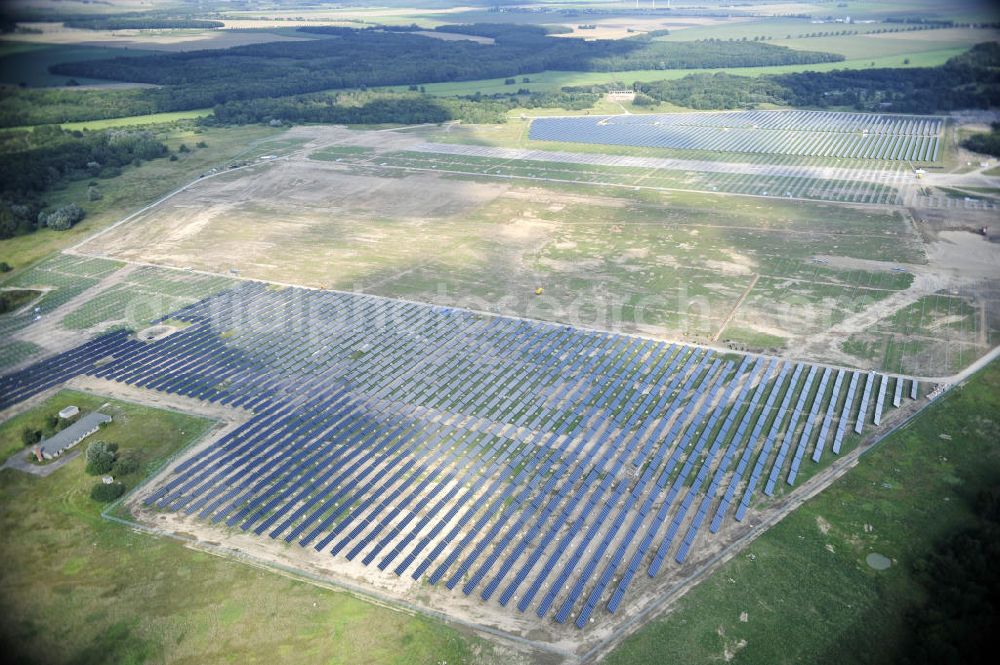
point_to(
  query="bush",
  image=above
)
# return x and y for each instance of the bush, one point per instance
(62, 218)
(94, 193)
(987, 144)
(106, 493)
(4, 266)
(125, 465)
(30, 436)
(100, 458)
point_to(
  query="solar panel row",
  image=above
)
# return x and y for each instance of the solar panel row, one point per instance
(520, 458)
(812, 133)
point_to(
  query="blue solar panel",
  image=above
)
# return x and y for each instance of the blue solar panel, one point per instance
(515, 459)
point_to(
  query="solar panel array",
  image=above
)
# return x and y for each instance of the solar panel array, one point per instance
(809, 181)
(539, 466)
(813, 133)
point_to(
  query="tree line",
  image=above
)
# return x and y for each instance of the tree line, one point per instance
(35, 162)
(52, 106)
(347, 58)
(371, 107)
(987, 143)
(961, 584)
(970, 80)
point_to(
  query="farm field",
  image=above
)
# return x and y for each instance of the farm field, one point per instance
(677, 444)
(137, 120)
(61, 43)
(865, 44)
(615, 243)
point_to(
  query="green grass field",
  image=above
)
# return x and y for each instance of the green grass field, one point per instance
(808, 595)
(137, 120)
(128, 121)
(78, 589)
(602, 249)
(554, 80)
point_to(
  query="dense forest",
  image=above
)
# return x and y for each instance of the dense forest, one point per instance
(349, 58)
(970, 80)
(369, 108)
(988, 143)
(48, 106)
(713, 91)
(35, 162)
(961, 581)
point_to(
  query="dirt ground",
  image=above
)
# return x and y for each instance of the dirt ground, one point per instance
(339, 213)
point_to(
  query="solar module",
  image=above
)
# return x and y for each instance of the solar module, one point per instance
(536, 465)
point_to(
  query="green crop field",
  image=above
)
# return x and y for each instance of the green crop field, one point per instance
(137, 120)
(114, 595)
(803, 592)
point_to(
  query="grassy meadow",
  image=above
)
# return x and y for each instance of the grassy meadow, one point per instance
(806, 590)
(138, 186)
(78, 589)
